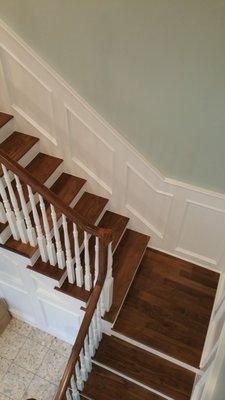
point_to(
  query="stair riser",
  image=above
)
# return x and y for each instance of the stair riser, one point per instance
(6, 130)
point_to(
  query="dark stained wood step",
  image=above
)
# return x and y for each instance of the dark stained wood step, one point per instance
(67, 187)
(43, 166)
(4, 118)
(17, 145)
(126, 261)
(110, 220)
(146, 368)
(48, 270)
(169, 305)
(105, 385)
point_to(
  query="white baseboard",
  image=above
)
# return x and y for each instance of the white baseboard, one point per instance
(183, 220)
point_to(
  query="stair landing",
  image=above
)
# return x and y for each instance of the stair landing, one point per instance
(169, 306)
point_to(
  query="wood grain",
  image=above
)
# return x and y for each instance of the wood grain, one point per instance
(169, 306)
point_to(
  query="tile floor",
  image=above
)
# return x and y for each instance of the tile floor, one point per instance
(31, 362)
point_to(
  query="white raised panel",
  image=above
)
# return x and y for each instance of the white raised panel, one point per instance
(90, 151)
(30, 97)
(65, 324)
(17, 299)
(147, 203)
(202, 232)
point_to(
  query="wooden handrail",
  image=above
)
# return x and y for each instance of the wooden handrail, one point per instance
(47, 194)
(79, 342)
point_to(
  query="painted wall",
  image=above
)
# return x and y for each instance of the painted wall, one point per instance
(153, 69)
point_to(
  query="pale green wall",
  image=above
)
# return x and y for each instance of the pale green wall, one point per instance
(155, 69)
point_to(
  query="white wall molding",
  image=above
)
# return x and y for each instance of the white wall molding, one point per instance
(183, 220)
(32, 298)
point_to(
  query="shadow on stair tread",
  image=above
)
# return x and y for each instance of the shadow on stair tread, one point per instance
(110, 220)
(149, 369)
(4, 118)
(106, 385)
(126, 261)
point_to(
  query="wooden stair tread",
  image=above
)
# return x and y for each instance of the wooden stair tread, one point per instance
(126, 261)
(105, 385)
(67, 187)
(110, 220)
(18, 144)
(4, 118)
(171, 302)
(47, 269)
(43, 166)
(146, 368)
(90, 206)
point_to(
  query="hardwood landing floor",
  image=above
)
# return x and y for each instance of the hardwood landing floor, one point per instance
(169, 305)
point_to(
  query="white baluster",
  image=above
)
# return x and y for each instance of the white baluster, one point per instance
(69, 260)
(69, 394)
(96, 328)
(96, 258)
(9, 213)
(87, 276)
(78, 269)
(3, 217)
(19, 218)
(83, 370)
(99, 321)
(108, 286)
(30, 229)
(91, 341)
(95, 334)
(59, 251)
(102, 303)
(76, 394)
(40, 237)
(87, 355)
(80, 383)
(50, 244)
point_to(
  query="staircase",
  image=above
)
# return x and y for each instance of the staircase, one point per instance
(147, 313)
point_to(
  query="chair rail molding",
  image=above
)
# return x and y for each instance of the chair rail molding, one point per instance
(183, 220)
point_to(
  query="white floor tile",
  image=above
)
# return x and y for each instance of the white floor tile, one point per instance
(31, 355)
(61, 347)
(40, 389)
(20, 327)
(4, 365)
(10, 344)
(41, 337)
(15, 382)
(52, 367)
